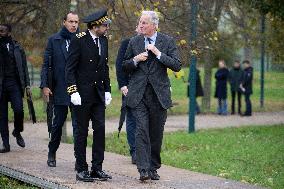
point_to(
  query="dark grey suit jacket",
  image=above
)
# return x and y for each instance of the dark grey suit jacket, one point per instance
(155, 74)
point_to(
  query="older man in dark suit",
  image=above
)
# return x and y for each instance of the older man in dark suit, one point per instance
(147, 58)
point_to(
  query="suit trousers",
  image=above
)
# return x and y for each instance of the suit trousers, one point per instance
(84, 113)
(239, 94)
(11, 92)
(60, 114)
(150, 119)
(130, 130)
(248, 104)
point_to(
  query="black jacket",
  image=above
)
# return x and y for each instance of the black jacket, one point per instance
(21, 63)
(235, 78)
(156, 74)
(56, 48)
(247, 80)
(86, 72)
(221, 77)
(122, 77)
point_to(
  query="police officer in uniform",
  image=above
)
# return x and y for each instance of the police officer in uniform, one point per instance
(88, 83)
(14, 81)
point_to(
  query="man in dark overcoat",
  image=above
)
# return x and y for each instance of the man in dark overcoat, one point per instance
(14, 81)
(58, 48)
(88, 84)
(146, 60)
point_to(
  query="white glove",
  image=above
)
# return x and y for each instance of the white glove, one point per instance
(124, 90)
(107, 98)
(76, 99)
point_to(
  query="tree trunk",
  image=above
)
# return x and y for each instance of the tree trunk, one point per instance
(206, 100)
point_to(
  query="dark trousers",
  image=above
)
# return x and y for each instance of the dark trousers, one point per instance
(84, 113)
(130, 130)
(248, 104)
(150, 119)
(60, 114)
(11, 92)
(239, 94)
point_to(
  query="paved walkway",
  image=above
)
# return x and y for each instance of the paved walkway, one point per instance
(32, 159)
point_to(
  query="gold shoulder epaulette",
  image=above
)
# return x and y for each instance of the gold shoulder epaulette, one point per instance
(81, 34)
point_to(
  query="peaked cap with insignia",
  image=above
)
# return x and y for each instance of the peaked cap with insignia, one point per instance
(97, 18)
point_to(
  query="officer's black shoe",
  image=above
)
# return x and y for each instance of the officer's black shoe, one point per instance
(19, 138)
(84, 176)
(246, 114)
(51, 161)
(154, 175)
(5, 149)
(100, 175)
(144, 175)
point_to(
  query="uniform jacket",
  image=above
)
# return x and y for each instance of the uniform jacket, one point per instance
(122, 77)
(21, 64)
(155, 74)
(86, 72)
(247, 80)
(221, 77)
(56, 48)
(235, 79)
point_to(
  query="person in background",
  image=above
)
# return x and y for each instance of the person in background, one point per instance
(235, 79)
(57, 48)
(14, 81)
(199, 90)
(246, 86)
(221, 77)
(123, 80)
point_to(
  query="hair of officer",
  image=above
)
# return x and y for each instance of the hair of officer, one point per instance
(66, 15)
(154, 17)
(8, 26)
(237, 61)
(246, 62)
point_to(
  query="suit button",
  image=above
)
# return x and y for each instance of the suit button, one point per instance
(102, 81)
(95, 82)
(91, 60)
(96, 71)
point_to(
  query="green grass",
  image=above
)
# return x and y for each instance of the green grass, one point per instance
(274, 96)
(9, 183)
(249, 154)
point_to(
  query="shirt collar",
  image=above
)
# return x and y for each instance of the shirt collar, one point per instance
(153, 37)
(93, 35)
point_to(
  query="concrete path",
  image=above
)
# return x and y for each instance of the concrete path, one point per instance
(32, 159)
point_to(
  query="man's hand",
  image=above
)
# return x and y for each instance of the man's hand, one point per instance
(28, 91)
(124, 90)
(154, 49)
(141, 57)
(107, 98)
(76, 99)
(46, 92)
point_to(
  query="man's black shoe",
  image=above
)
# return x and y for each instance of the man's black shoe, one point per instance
(154, 175)
(19, 138)
(246, 115)
(51, 161)
(5, 150)
(144, 175)
(84, 176)
(100, 175)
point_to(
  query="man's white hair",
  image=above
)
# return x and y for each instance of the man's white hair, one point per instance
(154, 18)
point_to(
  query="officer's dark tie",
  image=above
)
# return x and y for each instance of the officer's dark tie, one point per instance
(97, 42)
(151, 55)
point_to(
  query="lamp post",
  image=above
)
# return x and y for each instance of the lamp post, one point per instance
(262, 51)
(192, 67)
